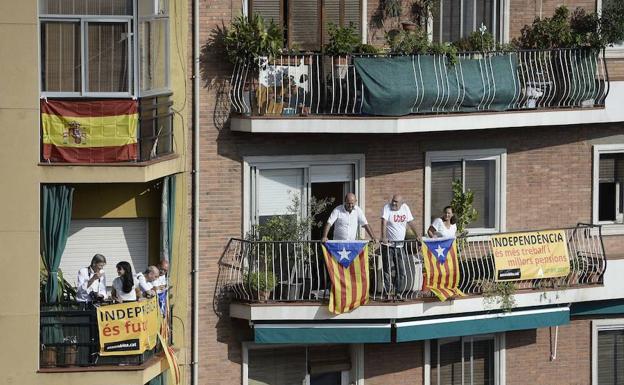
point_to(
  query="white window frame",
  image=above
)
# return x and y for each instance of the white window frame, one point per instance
(597, 326)
(608, 227)
(356, 353)
(499, 356)
(504, 31)
(252, 163)
(500, 190)
(134, 88)
(615, 51)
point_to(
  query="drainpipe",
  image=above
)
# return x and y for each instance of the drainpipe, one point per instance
(195, 181)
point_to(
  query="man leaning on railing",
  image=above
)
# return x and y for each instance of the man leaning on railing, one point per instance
(395, 217)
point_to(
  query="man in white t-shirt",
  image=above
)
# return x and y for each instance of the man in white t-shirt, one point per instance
(347, 219)
(395, 218)
(146, 281)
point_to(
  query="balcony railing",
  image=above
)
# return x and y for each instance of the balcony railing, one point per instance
(69, 337)
(260, 271)
(357, 85)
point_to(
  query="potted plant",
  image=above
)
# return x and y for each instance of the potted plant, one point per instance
(260, 284)
(51, 334)
(69, 352)
(342, 42)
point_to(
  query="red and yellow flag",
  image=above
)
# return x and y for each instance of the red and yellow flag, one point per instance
(442, 267)
(94, 131)
(347, 266)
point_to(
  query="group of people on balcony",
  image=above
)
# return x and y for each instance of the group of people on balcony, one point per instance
(395, 217)
(126, 287)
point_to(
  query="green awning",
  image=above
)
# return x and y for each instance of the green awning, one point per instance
(317, 333)
(481, 324)
(608, 307)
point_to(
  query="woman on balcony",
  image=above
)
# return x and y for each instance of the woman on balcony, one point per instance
(443, 227)
(124, 289)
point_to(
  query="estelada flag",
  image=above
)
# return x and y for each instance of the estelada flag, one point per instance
(94, 131)
(442, 267)
(347, 266)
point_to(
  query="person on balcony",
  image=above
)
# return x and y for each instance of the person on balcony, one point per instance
(161, 285)
(443, 227)
(397, 259)
(347, 219)
(91, 283)
(124, 286)
(146, 281)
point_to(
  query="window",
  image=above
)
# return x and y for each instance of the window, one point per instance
(608, 188)
(304, 22)
(618, 48)
(456, 19)
(608, 352)
(88, 47)
(482, 172)
(311, 365)
(273, 182)
(470, 360)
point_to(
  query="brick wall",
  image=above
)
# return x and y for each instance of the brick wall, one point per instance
(396, 364)
(528, 355)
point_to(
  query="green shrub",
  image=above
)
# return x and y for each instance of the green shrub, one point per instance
(260, 280)
(408, 42)
(342, 40)
(248, 39)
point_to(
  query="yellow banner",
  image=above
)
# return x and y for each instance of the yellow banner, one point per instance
(540, 254)
(128, 328)
(97, 131)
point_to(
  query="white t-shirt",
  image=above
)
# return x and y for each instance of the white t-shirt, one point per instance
(83, 291)
(143, 283)
(118, 286)
(161, 281)
(442, 231)
(346, 224)
(396, 221)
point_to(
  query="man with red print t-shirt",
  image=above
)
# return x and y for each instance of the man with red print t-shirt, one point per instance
(395, 217)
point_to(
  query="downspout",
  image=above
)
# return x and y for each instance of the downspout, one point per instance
(195, 181)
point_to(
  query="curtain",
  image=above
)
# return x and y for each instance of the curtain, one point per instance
(55, 218)
(167, 215)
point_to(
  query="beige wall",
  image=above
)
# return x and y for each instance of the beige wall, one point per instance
(19, 212)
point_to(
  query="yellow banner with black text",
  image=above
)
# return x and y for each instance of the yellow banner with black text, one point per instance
(128, 328)
(530, 255)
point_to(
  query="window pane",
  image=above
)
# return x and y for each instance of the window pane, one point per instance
(446, 25)
(153, 7)
(442, 176)
(482, 366)
(108, 57)
(611, 357)
(85, 7)
(610, 188)
(153, 54)
(448, 18)
(60, 56)
(284, 366)
(481, 179)
(448, 370)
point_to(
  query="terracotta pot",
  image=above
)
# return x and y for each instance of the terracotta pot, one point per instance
(409, 26)
(70, 355)
(47, 357)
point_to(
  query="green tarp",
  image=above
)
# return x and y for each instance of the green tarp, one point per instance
(403, 85)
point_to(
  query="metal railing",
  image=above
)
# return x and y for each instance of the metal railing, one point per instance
(260, 271)
(68, 335)
(316, 84)
(155, 127)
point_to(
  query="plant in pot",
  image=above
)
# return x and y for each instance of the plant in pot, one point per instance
(500, 293)
(253, 42)
(408, 42)
(260, 284)
(342, 42)
(51, 334)
(69, 352)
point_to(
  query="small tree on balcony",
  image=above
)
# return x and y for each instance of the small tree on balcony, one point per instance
(462, 206)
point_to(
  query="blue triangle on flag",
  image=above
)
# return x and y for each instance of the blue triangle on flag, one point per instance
(439, 247)
(344, 252)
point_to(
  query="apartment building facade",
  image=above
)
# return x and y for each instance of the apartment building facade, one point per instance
(533, 164)
(94, 99)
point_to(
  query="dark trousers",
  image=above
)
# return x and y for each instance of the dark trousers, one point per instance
(396, 262)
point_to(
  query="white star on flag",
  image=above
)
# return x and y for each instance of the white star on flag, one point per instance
(344, 254)
(440, 251)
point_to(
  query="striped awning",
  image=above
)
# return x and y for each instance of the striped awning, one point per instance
(325, 333)
(481, 324)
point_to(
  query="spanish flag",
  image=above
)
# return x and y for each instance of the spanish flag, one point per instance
(442, 267)
(94, 131)
(347, 266)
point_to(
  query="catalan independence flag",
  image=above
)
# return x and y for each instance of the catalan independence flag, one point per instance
(347, 265)
(442, 267)
(94, 131)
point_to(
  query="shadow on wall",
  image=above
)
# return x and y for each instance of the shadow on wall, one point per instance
(215, 77)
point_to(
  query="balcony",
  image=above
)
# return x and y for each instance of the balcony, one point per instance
(318, 93)
(69, 340)
(268, 280)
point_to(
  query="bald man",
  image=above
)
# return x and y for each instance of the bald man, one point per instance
(146, 281)
(347, 219)
(395, 218)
